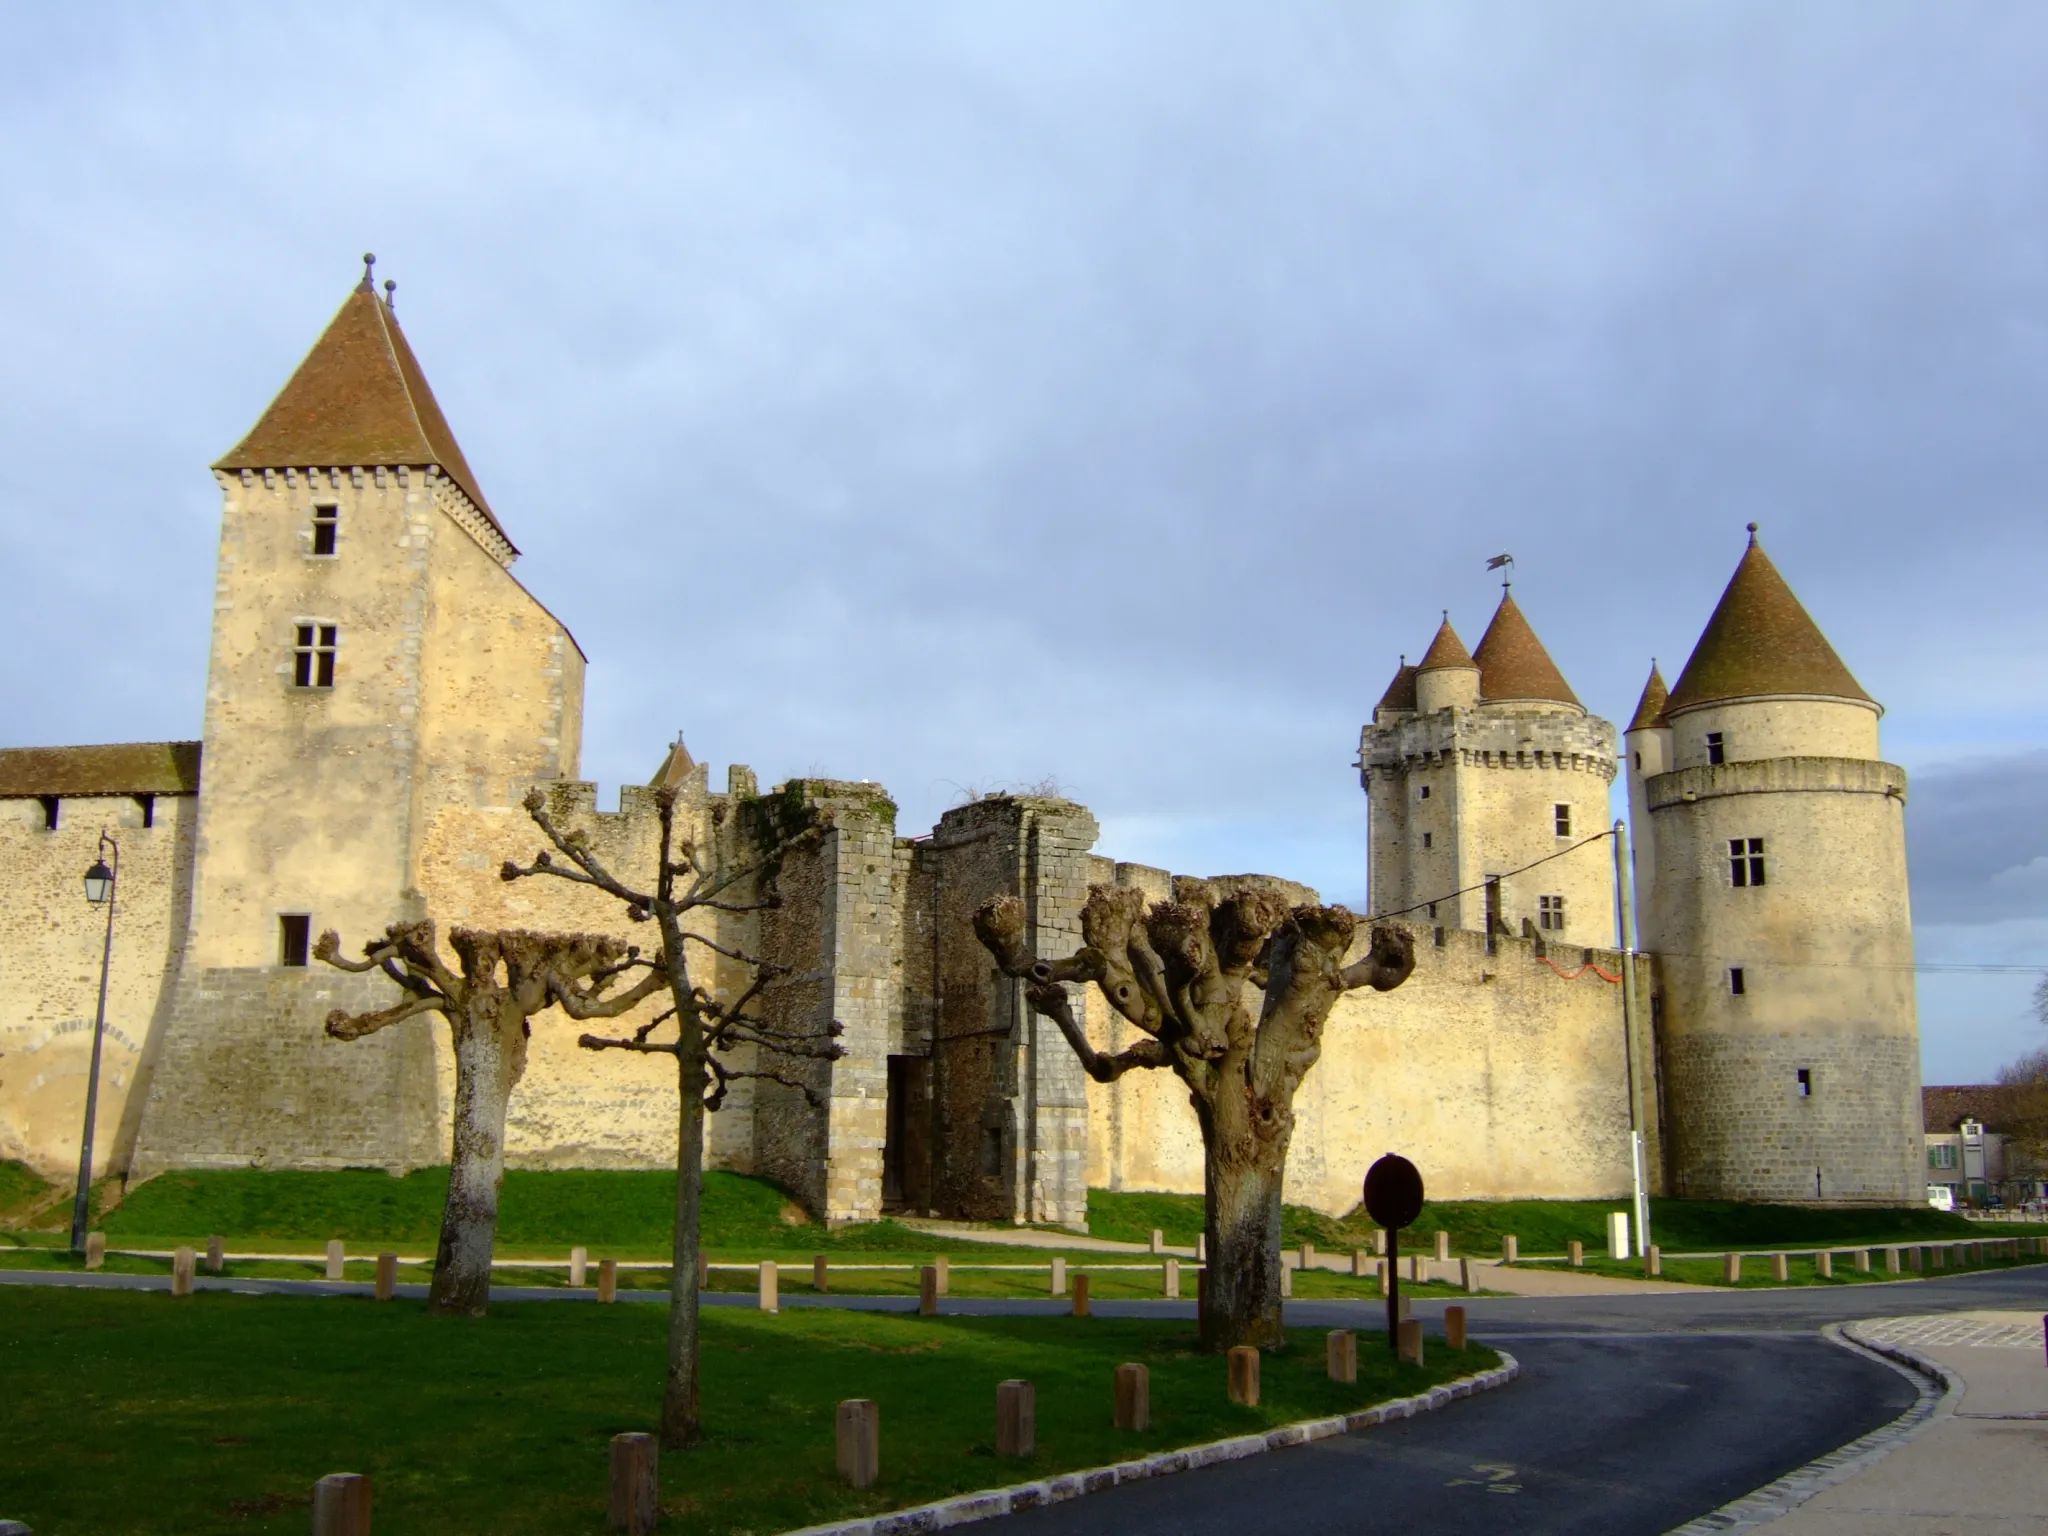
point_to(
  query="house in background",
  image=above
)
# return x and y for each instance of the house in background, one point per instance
(1969, 1150)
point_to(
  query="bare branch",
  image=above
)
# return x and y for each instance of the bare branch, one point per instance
(343, 1025)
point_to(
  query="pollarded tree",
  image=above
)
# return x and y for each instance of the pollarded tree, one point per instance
(691, 880)
(1231, 993)
(503, 980)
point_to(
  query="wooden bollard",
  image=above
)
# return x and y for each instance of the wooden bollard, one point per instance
(1575, 1252)
(1940, 1255)
(1411, 1341)
(1653, 1260)
(1308, 1256)
(635, 1502)
(95, 1250)
(1894, 1263)
(1081, 1296)
(1340, 1355)
(1201, 1247)
(1244, 1375)
(1286, 1281)
(1059, 1277)
(1359, 1263)
(1132, 1409)
(1454, 1327)
(945, 1272)
(579, 1267)
(928, 1291)
(703, 1271)
(858, 1430)
(1379, 1242)
(1016, 1419)
(821, 1274)
(1781, 1268)
(1468, 1275)
(387, 1276)
(1418, 1269)
(770, 1292)
(1385, 1267)
(1824, 1264)
(334, 1259)
(341, 1505)
(181, 1272)
(1510, 1248)
(216, 1254)
(1170, 1279)
(1158, 1241)
(1859, 1259)
(1917, 1260)
(1443, 1246)
(1731, 1268)
(608, 1280)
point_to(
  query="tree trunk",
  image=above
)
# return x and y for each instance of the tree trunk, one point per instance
(1241, 1181)
(680, 1424)
(476, 1171)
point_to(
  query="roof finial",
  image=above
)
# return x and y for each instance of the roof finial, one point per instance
(391, 294)
(1752, 533)
(1447, 615)
(369, 261)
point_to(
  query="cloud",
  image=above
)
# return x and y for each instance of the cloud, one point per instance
(1977, 841)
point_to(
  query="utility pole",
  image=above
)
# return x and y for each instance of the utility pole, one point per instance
(1624, 888)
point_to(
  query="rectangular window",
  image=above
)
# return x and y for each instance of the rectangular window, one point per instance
(1717, 748)
(294, 938)
(1745, 861)
(49, 803)
(1425, 839)
(326, 523)
(1941, 1155)
(1550, 913)
(147, 805)
(313, 656)
(1562, 816)
(1736, 983)
(1806, 1082)
(1425, 791)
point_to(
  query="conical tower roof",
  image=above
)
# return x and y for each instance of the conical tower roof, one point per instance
(1400, 692)
(1760, 642)
(1446, 650)
(1650, 707)
(359, 398)
(676, 767)
(1513, 663)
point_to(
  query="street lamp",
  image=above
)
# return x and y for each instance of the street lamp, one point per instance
(99, 890)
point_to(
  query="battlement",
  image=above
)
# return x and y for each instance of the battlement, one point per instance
(1490, 736)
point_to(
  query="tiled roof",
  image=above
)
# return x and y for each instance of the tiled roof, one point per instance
(1513, 663)
(676, 767)
(1650, 707)
(125, 768)
(1400, 692)
(1760, 641)
(1446, 650)
(359, 398)
(1944, 1109)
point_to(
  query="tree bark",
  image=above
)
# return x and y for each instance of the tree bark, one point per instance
(1242, 1173)
(486, 1068)
(681, 1426)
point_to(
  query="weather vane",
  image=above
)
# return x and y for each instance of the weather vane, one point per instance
(1502, 562)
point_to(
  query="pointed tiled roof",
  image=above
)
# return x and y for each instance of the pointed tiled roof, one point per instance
(1650, 707)
(359, 398)
(675, 768)
(1761, 641)
(1446, 650)
(1513, 663)
(1400, 692)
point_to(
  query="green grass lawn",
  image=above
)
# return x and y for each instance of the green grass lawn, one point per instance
(139, 1413)
(1802, 1269)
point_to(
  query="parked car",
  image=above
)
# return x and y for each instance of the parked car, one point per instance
(1941, 1197)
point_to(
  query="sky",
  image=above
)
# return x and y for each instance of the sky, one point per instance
(969, 397)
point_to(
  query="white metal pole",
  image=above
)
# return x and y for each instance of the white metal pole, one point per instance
(1624, 888)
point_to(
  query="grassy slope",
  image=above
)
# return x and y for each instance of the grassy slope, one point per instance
(20, 1186)
(217, 1414)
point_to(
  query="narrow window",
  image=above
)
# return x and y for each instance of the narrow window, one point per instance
(49, 803)
(313, 656)
(1717, 749)
(1425, 791)
(294, 938)
(1736, 983)
(1432, 913)
(1425, 839)
(1550, 913)
(147, 805)
(1745, 861)
(1639, 762)
(326, 522)
(1806, 1082)
(1562, 815)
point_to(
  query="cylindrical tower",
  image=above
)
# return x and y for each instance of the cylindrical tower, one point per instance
(1779, 912)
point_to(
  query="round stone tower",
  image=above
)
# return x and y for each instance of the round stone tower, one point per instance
(1776, 903)
(1481, 763)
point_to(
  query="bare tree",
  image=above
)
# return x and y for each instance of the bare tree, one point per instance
(708, 1026)
(504, 979)
(1231, 994)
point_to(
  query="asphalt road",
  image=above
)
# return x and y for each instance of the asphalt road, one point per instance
(1633, 1413)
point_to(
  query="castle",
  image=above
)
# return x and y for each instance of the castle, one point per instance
(382, 693)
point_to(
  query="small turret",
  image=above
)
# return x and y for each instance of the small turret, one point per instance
(1447, 677)
(1647, 743)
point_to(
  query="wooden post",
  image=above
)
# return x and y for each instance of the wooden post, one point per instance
(1081, 1296)
(95, 1250)
(1158, 1241)
(1170, 1279)
(1016, 1419)
(636, 1484)
(1575, 1251)
(1454, 1327)
(859, 1433)
(1653, 1260)
(1418, 1269)
(1824, 1264)
(216, 1254)
(1860, 1258)
(703, 1271)
(1443, 1246)
(928, 1291)
(821, 1276)
(1201, 1247)
(1286, 1281)
(1411, 1341)
(387, 1276)
(608, 1281)
(181, 1272)
(770, 1287)
(1308, 1256)
(1510, 1248)
(1893, 1263)
(1379, 1242)
(1468, 1276)
(1358, 1263)
(1133, 1407)
(341, 1505)
(943, 1270)
(1244, 1375)
(1340, 1355)
(579, 1268)
(334, 1259)
(1059, 1277)
(1781, 1268)
(1385, 1267)
(1731, 1268)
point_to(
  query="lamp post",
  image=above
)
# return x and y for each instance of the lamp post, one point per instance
(99, 890)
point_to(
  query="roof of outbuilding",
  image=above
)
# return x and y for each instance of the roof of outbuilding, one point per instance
(123, 768)
(358, 398)
(1944, 1108)
(1650, 707)
(1446, 650)
(1400, 692)
(1513, 663)
(1760, 642)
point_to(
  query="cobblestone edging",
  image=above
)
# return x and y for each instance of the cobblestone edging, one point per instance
(965, 1508)
(1938, 1394)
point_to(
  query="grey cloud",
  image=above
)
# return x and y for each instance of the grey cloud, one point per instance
(1977, 839)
